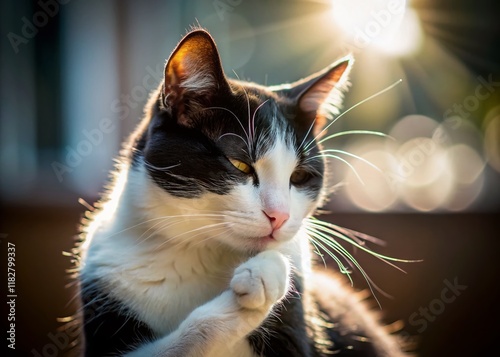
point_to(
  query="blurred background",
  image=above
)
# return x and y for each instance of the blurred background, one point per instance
(417, 166)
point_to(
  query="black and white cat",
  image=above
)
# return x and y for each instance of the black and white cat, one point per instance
(200, 246)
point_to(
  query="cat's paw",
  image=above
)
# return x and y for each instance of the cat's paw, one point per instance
(261, 281)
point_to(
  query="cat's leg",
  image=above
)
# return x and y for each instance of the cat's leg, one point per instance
(220, 326)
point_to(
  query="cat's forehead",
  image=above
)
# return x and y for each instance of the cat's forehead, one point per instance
(254, 123)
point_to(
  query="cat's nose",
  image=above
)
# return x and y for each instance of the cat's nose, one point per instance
(277, 218)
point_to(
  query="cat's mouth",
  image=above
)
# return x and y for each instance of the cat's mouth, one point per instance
(264, 242)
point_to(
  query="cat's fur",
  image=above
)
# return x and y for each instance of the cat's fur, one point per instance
(199, 246)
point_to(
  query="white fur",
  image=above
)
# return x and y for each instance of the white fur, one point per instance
(256, 286)
(173, 260)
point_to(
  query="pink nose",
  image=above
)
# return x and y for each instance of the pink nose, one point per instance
(277, 218)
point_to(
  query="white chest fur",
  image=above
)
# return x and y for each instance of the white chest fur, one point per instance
(160, 285)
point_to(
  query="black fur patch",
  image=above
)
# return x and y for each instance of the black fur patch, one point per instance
(187, 161)
(301, 329)
(109, 328)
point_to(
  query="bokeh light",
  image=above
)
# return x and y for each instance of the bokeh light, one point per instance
(376, 191)
(425, 166)
(467, 164)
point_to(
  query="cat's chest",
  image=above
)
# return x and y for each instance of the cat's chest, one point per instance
(163, 287)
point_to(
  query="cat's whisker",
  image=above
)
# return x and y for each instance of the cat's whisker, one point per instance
(332, 233)
(325, 232)
(181, 218)
(318, 252)
(208, 215)
(352, 155)
(191, 231)
(332, 243)
(359, 237)
(239, 122)
(341, 250)
(251, 128)
(209, 232)
(345, 162)
(211, 237)
(253, 117)
(340, 264)
(166, 168)
(170, 224)
(232, 134)
(351, 108)
(156, 231)
(355, 132)
(300, 148)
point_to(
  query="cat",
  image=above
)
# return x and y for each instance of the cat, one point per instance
(200, 245)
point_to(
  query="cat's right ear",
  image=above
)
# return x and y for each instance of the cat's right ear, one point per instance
(193, 76)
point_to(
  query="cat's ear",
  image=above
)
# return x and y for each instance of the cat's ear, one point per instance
(193, 75)
(319, 96)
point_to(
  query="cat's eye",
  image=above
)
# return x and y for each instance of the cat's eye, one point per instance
(240, 165)
(300, 177)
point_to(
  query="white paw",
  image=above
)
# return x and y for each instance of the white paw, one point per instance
(261, 281)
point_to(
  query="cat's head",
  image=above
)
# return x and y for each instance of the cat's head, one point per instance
(238, 161)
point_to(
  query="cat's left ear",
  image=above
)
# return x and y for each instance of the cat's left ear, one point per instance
(319, 96)
(193, 76)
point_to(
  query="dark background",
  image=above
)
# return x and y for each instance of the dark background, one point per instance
(65, 78)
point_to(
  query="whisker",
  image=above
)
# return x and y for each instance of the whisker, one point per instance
(253, 117)
(191, 231)
(232, 134)
(340, 264)
(382, 257)
(355, 132)
(166, 168)
(341, 250)
(226, 231)
(353, 155)
(239, 122)
(318, 252)
(345, 162)
(307, 134)
(357, 236)
(170, 224)
(351, 108)
(207, 215)
(324, 234)
(251, 129)
(320, 241)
